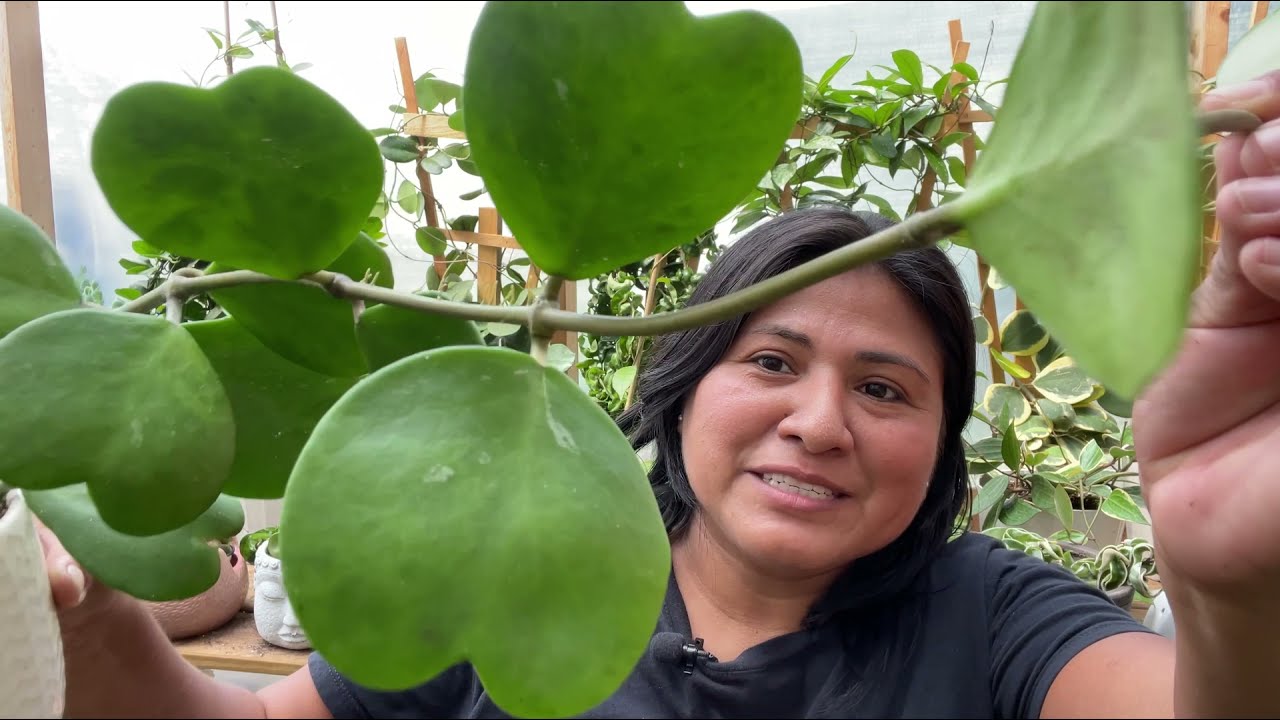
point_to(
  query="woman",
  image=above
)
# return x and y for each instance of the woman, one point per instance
(810, 472)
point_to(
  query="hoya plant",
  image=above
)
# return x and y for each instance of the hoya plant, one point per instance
(472, 499)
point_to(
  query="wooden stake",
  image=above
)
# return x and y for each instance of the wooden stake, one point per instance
(22, 114)
(424, 177)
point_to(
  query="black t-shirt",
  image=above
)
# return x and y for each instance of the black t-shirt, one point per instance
(981, 633)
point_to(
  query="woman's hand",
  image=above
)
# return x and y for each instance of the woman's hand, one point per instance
(79, 600)
(1207, 432)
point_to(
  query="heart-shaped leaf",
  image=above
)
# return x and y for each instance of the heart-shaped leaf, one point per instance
(264, 171)
(122, 402)
(387, 333)
(275, 402)
(303, 323)
(1114, 213)
(173, 565)
(1254, 55)
(555, 176)
(470, 479)
(33, 279)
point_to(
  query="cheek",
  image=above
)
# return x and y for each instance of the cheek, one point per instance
(722, 419)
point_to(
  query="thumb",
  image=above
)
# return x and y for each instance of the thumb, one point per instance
(67, 580)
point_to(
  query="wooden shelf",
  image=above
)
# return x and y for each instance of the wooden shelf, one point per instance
(237, 646)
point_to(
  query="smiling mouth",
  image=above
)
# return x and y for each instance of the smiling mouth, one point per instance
(788, 484)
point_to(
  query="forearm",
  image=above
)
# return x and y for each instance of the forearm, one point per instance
(126, 666)
(1227, 655)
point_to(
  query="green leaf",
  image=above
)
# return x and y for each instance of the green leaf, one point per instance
(388, 333)
(982, 330)
(1011, 449)
(431, 240)
(1120, 505)
(831, 72)
(235, 174)
(560, 357)
(622, 379)
(408, 198)
(1042, 492)
(216, 37)
(1009, 366)
(1021, 334)
(123, 402)
(1253, 55)
(146, 249)
(909, 65)
(436, 163)
(999, 397)
(399, 148)
(456, 122)
(33, 279)
(1029, 213)
(1061, 415)
(275, 403)
(303, 323)
(885, 143)
(1018, 512)
(239, 51)
(1062, 507)
(173, 565)
(460, 151)
(1062, 380)
(991, 492)
(1091, 456)
(447, 519)
(554, 175)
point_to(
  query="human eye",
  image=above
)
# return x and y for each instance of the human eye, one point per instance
(881, 391)
(771, 363)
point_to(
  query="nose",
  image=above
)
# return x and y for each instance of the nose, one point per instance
(289, 623)
(818, 418)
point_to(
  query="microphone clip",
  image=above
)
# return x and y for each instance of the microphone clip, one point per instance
(691, 654)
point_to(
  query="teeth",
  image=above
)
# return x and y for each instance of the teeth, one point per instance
(790, 484)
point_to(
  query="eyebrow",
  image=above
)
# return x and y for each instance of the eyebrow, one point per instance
(879, 357)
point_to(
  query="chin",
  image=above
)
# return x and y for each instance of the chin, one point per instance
(785, 549)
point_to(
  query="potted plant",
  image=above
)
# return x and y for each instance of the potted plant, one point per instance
(273, 615)
(416, 480)
(211, 609)
(1060, 458)
(1121, 570)
(31, 679)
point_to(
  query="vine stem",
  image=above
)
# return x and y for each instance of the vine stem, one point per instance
(541, 334)
(922, 229)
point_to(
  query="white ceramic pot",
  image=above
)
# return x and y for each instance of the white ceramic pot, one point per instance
(32, 681)
(272, 613)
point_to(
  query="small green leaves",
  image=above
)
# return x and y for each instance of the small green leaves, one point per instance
(265, 171)
(304, 324)
(276, 405)
(387, 333)
(490, 512)
(1114, 213)
(1254, 55)
(556, 175)
(33, 279)
(126, 404)
(174, 565)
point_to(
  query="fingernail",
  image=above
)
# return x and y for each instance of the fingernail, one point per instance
(1268, 251)
(76, 576)
(1258, 194)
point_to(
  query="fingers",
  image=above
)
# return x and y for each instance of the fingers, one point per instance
(1260, 264)
(67, 581)
(1260, 97)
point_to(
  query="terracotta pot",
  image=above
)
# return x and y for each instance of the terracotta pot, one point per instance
(32, 683)
(212, 608)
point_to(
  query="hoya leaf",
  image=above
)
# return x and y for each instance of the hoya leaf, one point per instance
(1114, 215)
(1254, 55)
(387, 333)
(33, 279)
(264, 171)
(122, 402)
(303, 323)
(555, 176)
(172, 565)
(470, 480)
(276, 405)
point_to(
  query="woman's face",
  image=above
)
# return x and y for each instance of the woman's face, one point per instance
(813, 441)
